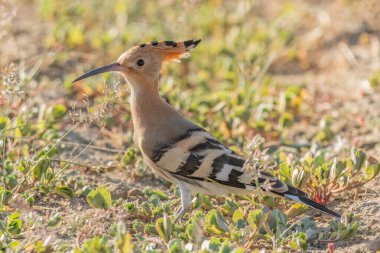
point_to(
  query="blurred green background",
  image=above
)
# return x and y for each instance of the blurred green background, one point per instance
(238, 47)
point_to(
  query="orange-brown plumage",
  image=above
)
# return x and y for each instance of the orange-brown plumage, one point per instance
(167, 50)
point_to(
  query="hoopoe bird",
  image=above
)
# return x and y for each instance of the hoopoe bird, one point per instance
(179, 150)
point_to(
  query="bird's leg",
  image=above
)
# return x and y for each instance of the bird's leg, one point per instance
(185, 202)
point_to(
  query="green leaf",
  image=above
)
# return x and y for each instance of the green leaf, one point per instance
(164, 227)
(238, 216)
(358, 157)
(99, 198)
(30, 201)
(14, 244)
(55, 220)
(353, 228)
(269, 201)
(175, 246)
(372, 170)
(150, 229)
(299, 241)
(190, 230)
(129, 156)
(59, 111)
(299, 177)
(337, 168)
(284, 171)
(40, 169)
(286, 120)
(159, 193)
(256, 217)
(3, 122)
(11, 181)
(47, 152)
(14, 224)
(75, 36)
(64, 191)
(239, 250)
(130, 207)
(318, 172)
(215, 243)
(319, 160)
(281, 220)
(215, 223)
(306, 223)
(125, 245)
(296, 209)
(95, 245)
(203, 201)
(311, 234)
(225, 248)
(154, 200)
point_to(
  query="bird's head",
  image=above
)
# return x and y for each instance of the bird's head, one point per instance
(144, 62)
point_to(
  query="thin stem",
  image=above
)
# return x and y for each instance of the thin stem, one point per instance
(41, 158)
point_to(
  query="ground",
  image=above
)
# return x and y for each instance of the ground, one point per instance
(334, 52)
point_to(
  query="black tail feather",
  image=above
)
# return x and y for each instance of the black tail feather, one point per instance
(301, 197)
(318, 206)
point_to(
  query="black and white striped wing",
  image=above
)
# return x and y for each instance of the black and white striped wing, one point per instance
(197, 155)
(200, 160)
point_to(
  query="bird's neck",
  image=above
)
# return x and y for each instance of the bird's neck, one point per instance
(147, 107)
(154, 121)
(145, 102)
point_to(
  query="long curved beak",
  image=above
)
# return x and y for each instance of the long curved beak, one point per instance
(111, 67)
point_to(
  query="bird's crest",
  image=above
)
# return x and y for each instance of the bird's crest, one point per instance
(171, 50)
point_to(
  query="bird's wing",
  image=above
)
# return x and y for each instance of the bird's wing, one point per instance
(197, 155)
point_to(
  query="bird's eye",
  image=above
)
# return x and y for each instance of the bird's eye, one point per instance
(140, 62)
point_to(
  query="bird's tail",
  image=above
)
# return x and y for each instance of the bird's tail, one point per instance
(301, 197)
